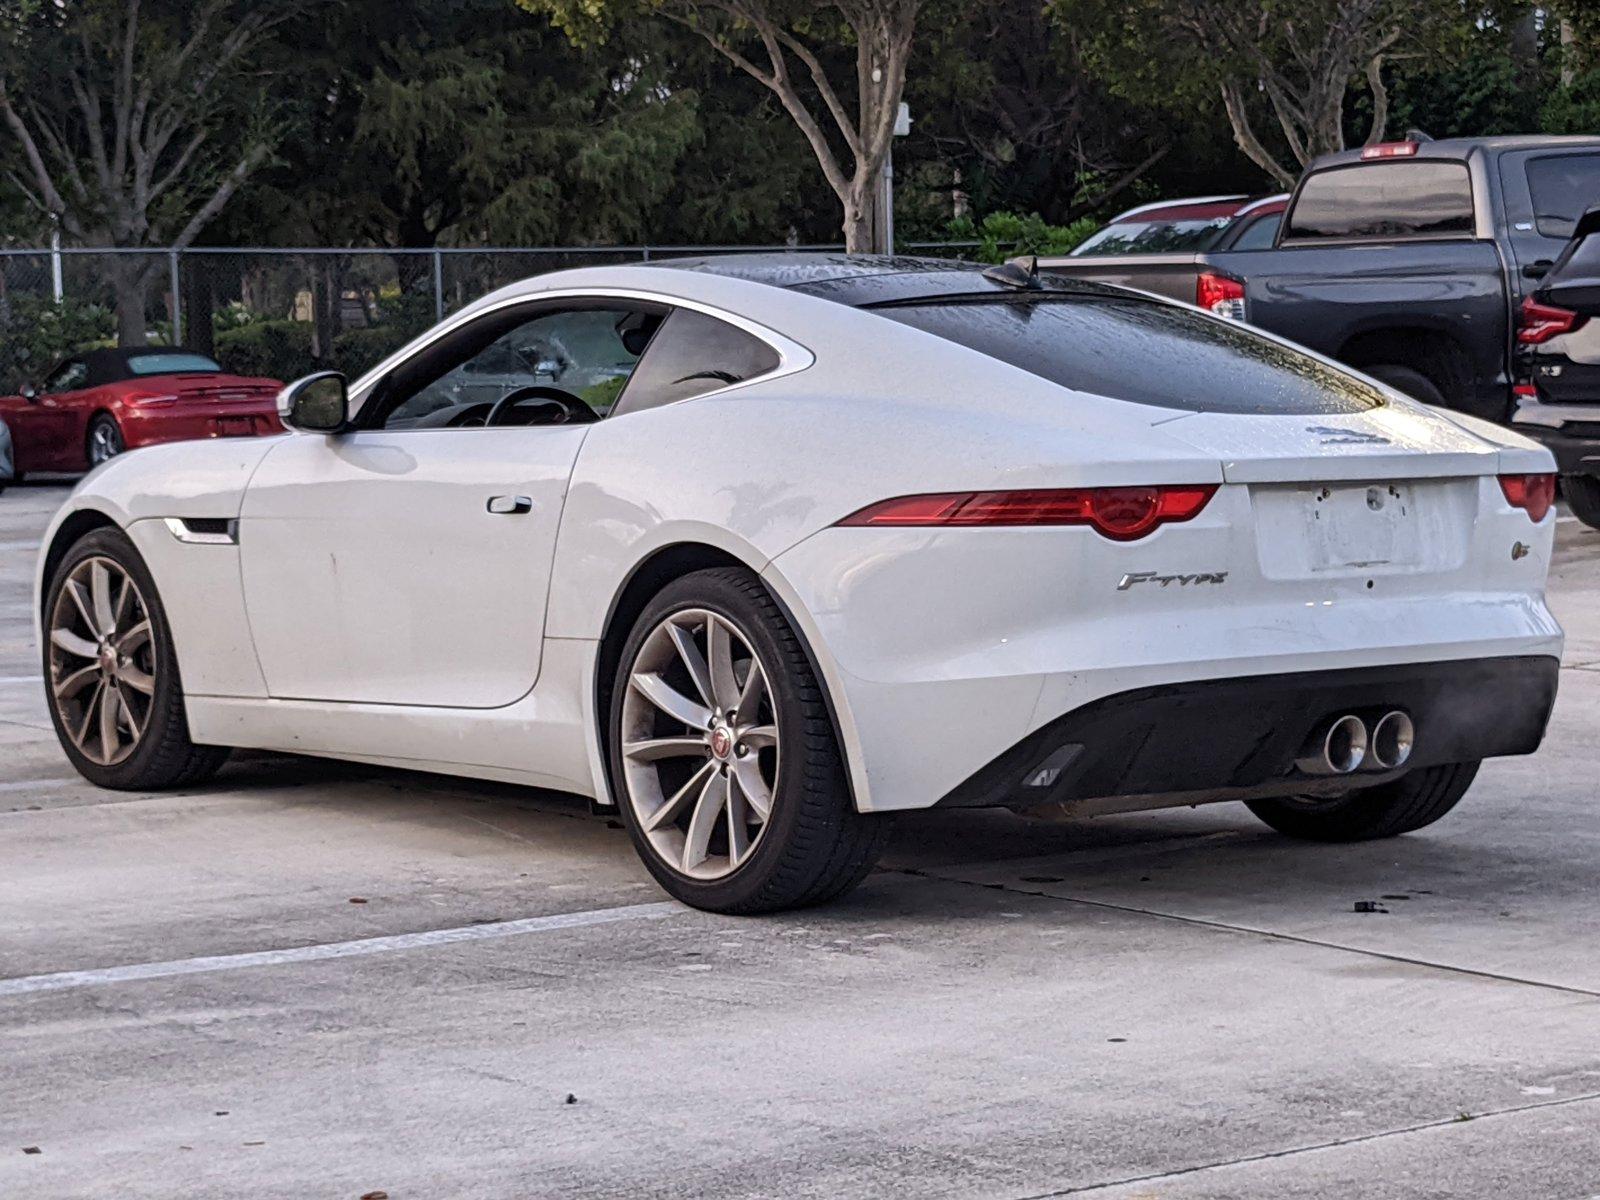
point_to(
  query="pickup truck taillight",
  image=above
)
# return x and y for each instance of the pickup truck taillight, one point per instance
(1221, 294)
(1538, 323)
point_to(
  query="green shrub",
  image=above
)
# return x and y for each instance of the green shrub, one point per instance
(1004, 235)
(275, 349)
(358, 350)
(36, 333)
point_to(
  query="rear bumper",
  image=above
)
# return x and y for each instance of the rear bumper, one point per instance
(155, 426)
(1222, 739)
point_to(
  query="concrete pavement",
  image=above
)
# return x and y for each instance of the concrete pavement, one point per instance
(1160, 1005)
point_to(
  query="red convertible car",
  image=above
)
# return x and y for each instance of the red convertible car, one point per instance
(101, 403)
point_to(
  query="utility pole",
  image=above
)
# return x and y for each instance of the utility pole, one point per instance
(883, 208)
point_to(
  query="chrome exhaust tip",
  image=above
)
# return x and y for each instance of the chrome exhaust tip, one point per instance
(1337, 748)
(1392, 739)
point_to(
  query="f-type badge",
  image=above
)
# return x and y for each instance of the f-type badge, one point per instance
(1137, 577)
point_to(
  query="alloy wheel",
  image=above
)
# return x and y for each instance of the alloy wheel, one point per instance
(104, 442)
(102, 661)
(700, 746)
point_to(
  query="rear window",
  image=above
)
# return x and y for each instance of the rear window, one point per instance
(1155, 237)
(1260, 234)
(1143, 352)
(1384, 201)
(1564, 187)
(170, 364)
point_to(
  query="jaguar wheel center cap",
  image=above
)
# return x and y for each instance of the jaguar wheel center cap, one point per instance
(721, 742)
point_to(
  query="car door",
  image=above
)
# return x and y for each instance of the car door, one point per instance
(406, 561)
(48, 430)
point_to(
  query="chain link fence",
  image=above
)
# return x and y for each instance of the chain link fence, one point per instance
(279, 313)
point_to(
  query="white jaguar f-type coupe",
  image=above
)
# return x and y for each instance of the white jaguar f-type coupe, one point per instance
(760, 551)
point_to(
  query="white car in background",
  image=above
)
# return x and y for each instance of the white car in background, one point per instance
(857, 536)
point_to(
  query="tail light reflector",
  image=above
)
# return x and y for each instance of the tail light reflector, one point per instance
(1122, 514)
(1539, 323)
(1534, 494)
(1221, 294)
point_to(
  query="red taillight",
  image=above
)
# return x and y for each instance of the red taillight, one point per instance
(1535, 494)
(1122, 514)
(1221, 294)
(1390, 150)
(1541, 322)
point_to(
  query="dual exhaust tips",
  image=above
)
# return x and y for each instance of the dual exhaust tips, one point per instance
(1346, 744)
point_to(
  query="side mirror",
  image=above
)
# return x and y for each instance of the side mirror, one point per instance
(29, 393)
(1573, 281)
(318, 403)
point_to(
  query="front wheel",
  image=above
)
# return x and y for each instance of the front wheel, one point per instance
(105, 439)
(111, 672)
(1583, 497)
(723, 756)
(1409, 803)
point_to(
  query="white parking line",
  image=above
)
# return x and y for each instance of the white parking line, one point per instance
(21, 678)
(62, 980)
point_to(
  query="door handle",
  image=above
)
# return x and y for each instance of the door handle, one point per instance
(509, 506)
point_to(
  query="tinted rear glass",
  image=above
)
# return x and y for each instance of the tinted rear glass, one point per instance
(1564, 187)
(1260, 234)
(1144, 352)
(1156, 237)
(170, 364)
(692, 354)
(1385, 200)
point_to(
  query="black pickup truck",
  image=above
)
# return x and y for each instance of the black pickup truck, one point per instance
(1418, 262)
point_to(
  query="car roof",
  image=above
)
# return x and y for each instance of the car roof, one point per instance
(1461, 149)
(1196, 208)
(865, 279)
(112, 366)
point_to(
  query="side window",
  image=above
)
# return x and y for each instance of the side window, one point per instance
(1384, 202)
(1564, 187)
(68, 377)
(586, 353)
(693, 354)
(1259, 234)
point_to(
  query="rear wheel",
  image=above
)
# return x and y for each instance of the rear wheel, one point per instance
(1583, 497)
(1407, 804)
(112, 675)
(723, 755)
(1408, 380)
(105, 439)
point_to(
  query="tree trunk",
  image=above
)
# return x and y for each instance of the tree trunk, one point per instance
(131, 284)
(199, 300)
(858, 222)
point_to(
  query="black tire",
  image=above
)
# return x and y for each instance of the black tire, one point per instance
(164, 756)
(1409, 803)
(103, 426)
(1583, 498)
(1408, 380)
(815, 846)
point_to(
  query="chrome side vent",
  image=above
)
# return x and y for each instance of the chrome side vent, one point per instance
(204, 531)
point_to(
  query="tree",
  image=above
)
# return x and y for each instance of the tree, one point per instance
(792, 47)
(1283, 69)
(136, 126)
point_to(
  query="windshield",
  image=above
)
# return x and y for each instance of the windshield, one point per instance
(1156, 237)
(1564, 187)
(171, 364)
(1143, 352)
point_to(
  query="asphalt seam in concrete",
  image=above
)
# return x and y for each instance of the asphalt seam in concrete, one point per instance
(1336, 1143)
(137, 972)
(1226, 927)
